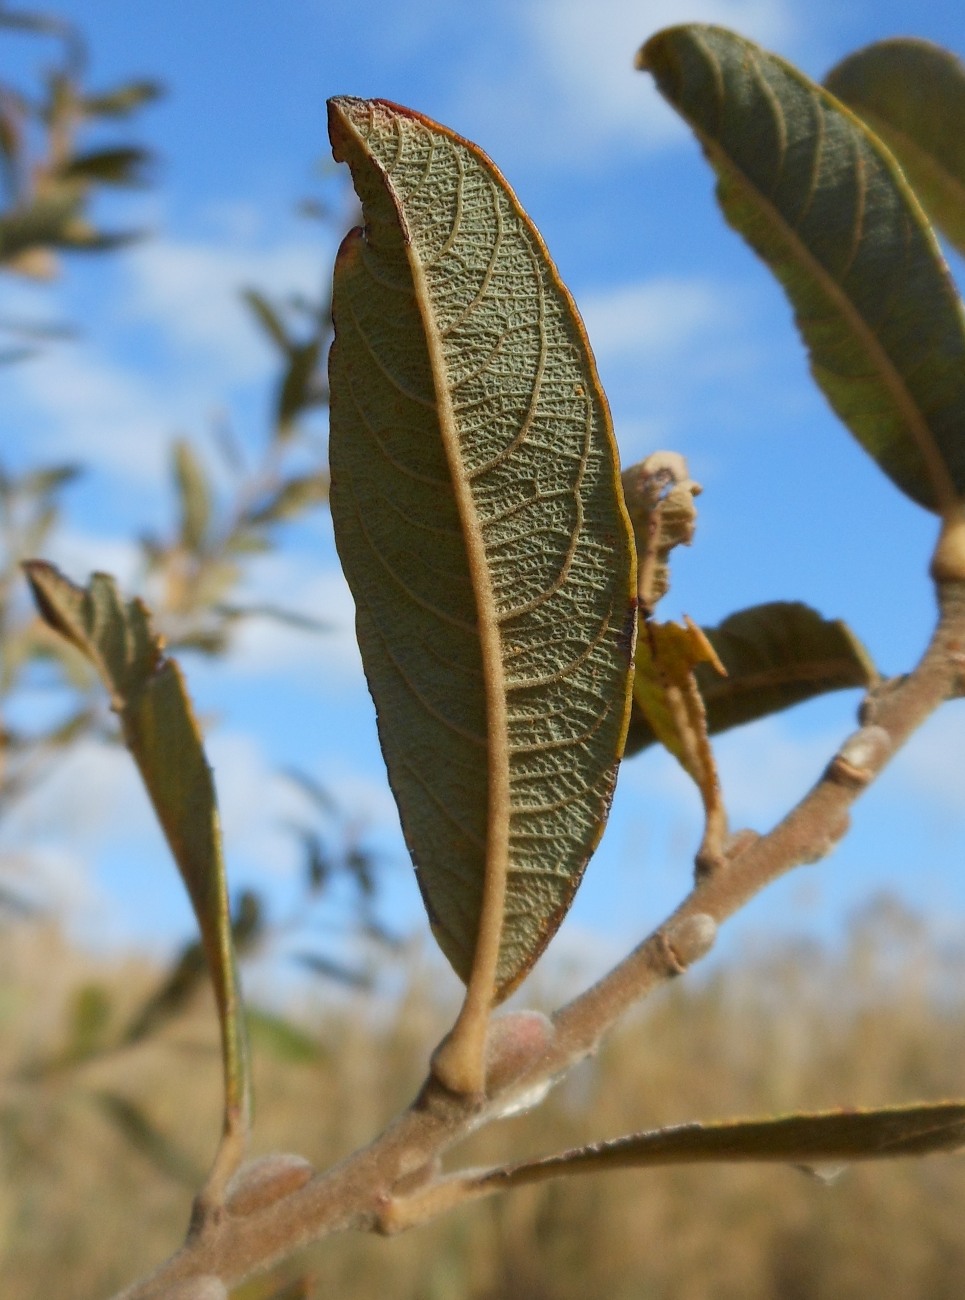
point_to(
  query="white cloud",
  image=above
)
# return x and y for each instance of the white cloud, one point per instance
(588, 52)
(764, 769)
(79, 554)
(190, 290)
(179, 300)
(574, 83)
(651, 318)
(265, 645)
(933, 761)
(77, 404)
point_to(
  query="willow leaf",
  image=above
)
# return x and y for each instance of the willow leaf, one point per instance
(912, 94)
(149, 696)
(480, 523)
(775, 655)
(828, 1137)
(823, 202)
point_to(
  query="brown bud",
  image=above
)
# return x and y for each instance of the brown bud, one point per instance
(692, 938)
(263, 1182)
(198, 1288)
(515, 1042)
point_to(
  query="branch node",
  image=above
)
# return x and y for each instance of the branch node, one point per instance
(263, 1182)
(688, 941)
(835, 832)
(859, 758)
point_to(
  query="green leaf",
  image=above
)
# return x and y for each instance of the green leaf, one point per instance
(119, 166)
(912, 94)
(44, 223)
(775, 655)
(145, 1136)
(291, 499)
(89, 1015)
(123, 100)
(334, 970)
(299, 388)
(194, 496)
(148, 694)
(281, 1039)
(823, 202)
(481, 527)
(815, 1139)
(287, 617)
(267, 318)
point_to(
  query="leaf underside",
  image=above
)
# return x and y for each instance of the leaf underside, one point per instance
(480, 525)
(803, 1139)
(150, 698)
(912, 94)
(823, 202)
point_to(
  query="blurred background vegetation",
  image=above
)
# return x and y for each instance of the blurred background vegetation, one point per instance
(100, 1158)
(111, 1089)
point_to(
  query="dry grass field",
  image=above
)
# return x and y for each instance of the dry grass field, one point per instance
(97, 1158)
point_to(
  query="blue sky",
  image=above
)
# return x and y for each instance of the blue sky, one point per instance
(697, 352)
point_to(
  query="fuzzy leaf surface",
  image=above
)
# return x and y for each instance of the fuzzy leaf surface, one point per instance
(480, 524)
(912, 94)
(823, 202)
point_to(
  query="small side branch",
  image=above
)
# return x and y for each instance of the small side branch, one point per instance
(365, 1191)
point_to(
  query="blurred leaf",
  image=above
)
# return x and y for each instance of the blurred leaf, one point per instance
(480, 524)
(148, 693)
(316, 792)
(318, 865)
(314, 210)
(177, 989)
(245, 542)
(267, 318)
(144, 1136)
(41, 24)
(333, 970)
(41, 482)
(13, 356)
(118, 166)
(39, 330)
(281, 1039)
(292, 498)
(123, 100)
(775, 655)
(912, 94)
(13, 902)
(194, 497)
(174, 993)
(824, 204)
(41, 225)
(289, 617)
(299, 389)
(89, 1015)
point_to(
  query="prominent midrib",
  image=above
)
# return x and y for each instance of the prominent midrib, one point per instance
(482, 979)
(947, 498)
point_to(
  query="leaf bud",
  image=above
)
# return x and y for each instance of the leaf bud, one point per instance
(263, 1182)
